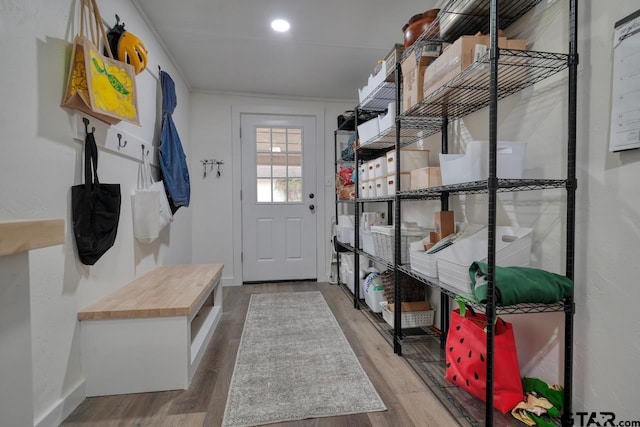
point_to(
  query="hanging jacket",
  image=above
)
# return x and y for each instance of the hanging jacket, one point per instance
(173, 162)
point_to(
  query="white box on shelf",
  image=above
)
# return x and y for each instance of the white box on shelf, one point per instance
(345, 220)
(408, 319)
(405, 183)
(384, 241)
(347, 259)
(376, 80)
(368, 131)
(473, 165)
(409, 159)
(366, 241)
(364, 171)
(422, 262)
(380, 167)
(370, 168)
(345, 234)
(388, 120)
(364, 189)
(513, 248)
(381, 187)
(363, 93)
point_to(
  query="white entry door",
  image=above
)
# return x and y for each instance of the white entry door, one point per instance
(278, 198)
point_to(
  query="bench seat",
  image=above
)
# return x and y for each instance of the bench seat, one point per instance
(150, 334)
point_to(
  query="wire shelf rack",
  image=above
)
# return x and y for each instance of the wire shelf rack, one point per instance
(512, 309)
(479, 187)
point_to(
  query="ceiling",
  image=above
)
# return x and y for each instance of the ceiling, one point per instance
(228, 45)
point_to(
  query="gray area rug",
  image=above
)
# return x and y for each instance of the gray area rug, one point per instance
(293, 363)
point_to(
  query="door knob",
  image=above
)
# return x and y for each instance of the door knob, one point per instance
(311, 196)
(312, 207)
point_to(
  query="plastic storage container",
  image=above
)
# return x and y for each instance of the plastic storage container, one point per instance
(409, 160)
(405, 183)
(384, 241)
(366, 240)
(380, 167)
(513, 248)
(409, 319)
(473, 165)
(368, 131)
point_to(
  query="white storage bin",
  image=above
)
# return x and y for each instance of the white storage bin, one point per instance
(368, 130)
(384, 241)
(474, 164)
(427, 264)
(370, 168)
(364, 172)
(408, 319)
(345, 220)
(379, 167)
(345, 234)
(422, 262)
(381, 187)
(364, 189)
(405, 183)
(363, 93)
(371, 188)
(366, 242)
(409, 160)
(513, 248)
(387, 121)
(374, 81)
(347, 259)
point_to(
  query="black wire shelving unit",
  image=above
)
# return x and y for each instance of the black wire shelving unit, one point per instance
(497, 75)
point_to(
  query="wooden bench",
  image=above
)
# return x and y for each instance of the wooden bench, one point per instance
(150, 335)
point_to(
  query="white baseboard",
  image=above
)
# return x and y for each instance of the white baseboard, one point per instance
(57, 413)
(230, 281)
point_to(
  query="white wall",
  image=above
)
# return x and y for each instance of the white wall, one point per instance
(40, 162)
(215, 222)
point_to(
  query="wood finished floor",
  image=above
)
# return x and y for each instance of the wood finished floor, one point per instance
(409, 401)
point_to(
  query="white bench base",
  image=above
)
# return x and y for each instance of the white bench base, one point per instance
(137, 355)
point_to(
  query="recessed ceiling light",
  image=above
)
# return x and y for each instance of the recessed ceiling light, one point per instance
(280, 25)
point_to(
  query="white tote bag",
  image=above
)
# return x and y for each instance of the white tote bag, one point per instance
(151, 211)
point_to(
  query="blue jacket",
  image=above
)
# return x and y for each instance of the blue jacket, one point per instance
(173, 162)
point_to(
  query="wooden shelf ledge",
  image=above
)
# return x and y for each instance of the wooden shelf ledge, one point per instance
(24, 235)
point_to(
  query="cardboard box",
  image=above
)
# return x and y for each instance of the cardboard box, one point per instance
(445, 224)
(412, 306)
(392, 58)
(413, 71)
(458, 56)
(425, 178)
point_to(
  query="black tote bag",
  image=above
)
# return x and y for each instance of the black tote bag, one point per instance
(95, 209)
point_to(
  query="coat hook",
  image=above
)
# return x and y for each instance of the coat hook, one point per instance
(120, 144)
(86, 125)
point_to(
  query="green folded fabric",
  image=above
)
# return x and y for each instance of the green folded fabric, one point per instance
(515, 285)
(552, 394)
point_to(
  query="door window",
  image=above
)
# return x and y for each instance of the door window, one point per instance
(279, 165)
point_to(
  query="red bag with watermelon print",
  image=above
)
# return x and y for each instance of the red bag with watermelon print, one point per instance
(466, 352)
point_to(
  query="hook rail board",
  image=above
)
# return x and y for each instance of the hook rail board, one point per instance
(112, 139)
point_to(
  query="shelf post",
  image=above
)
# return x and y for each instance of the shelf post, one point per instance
(444, 206)
(571, 209)
(356, 225)
(397, 291)
(492, 184)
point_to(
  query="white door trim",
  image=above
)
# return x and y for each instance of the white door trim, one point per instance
(318, 113)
